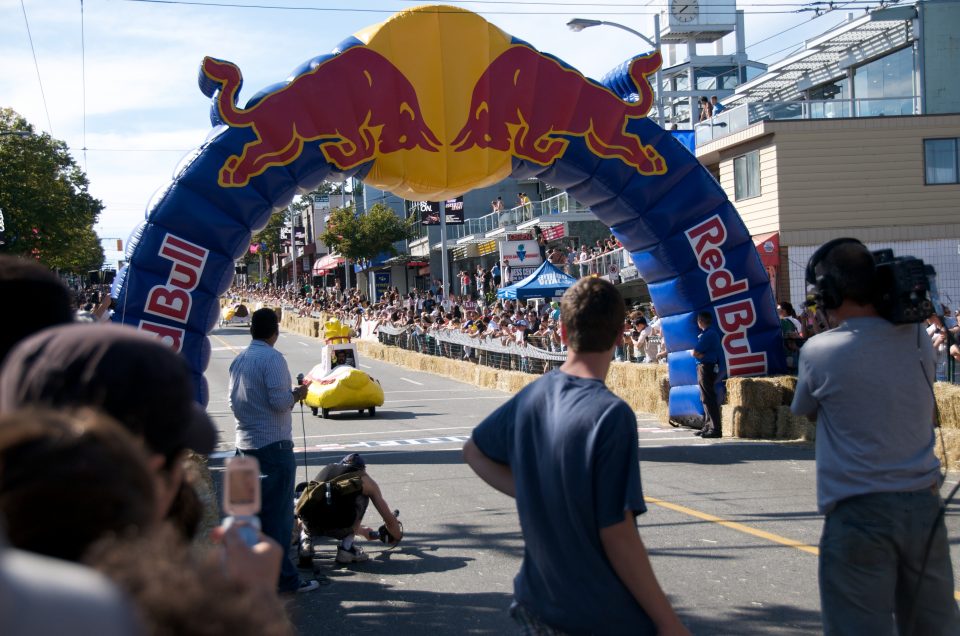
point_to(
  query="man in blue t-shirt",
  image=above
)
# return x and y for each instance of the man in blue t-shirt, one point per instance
(566, 448)
(708, 352)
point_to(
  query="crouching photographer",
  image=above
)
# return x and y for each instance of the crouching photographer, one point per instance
(333, 505)
(884, 557)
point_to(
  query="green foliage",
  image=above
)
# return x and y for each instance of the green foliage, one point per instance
(366, 236)
(47, 210)
(270, 235)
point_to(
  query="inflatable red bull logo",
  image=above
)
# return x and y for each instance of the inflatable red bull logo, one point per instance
(494, 108)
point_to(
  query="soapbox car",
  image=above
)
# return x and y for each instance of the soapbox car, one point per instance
(336, 384)
(234, 314)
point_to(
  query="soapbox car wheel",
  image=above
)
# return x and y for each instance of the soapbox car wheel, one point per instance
(315, 411)
(326, 413)
(373, 411)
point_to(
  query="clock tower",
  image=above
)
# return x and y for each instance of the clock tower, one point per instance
(699, 22)
(703, 20)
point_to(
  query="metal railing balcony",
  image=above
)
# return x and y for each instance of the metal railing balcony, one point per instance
(740, 117)
(607, 264)
(558, 204)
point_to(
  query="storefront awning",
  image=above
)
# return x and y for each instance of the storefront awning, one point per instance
(327, 263)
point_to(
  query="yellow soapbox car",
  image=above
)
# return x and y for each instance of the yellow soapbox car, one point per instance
(234, 314)
(336, 384)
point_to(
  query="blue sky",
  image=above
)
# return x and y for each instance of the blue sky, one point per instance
(143, 110)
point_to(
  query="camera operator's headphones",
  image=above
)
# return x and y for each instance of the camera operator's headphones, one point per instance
(828, 292)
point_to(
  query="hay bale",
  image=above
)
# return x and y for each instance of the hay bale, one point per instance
(787, 385)
(948, 404)
(754, 393)
(640, 386)
(748, 422)
(947, 447)
(794, 427)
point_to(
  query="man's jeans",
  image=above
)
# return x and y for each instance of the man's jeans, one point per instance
(871, 553)
(278, 467)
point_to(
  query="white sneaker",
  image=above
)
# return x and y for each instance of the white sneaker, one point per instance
(354, 555)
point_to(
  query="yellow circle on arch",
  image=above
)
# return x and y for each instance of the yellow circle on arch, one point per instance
(443, 51)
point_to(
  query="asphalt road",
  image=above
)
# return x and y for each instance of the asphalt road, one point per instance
(731, 526)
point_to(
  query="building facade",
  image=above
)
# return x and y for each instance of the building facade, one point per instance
(856, 135)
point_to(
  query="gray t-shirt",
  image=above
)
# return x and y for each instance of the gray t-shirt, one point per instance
(869, 382)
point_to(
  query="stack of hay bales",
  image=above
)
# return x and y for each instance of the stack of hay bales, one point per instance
(641, 386)
(947, 440)
(760, 408)
(469, 372)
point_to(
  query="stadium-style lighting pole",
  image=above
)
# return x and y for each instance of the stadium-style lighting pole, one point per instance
(579, 24)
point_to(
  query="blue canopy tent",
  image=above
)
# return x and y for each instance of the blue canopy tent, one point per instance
(545, 282)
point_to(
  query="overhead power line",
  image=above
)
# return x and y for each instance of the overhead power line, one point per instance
(830, 6)
(37, 66)
(800, 7)
(83, 82)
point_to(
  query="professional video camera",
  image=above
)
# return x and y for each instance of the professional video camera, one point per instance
(906, 287)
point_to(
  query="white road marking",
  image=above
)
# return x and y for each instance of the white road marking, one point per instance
(409, 430)
(470, 390)
(303, 344)
(478, 397)
(412, 381)
(365, 366)
(222, 349)
(389, 443)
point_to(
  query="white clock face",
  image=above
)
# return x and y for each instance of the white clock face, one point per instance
(685, 10)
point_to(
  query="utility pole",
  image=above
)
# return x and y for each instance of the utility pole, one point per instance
(293, 249)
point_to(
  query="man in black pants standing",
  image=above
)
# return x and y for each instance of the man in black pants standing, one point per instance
(708, 352)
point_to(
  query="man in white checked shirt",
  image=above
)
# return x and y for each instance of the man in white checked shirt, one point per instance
(261, 399)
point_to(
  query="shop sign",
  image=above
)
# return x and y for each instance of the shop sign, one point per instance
(555, 233)
(521, 253)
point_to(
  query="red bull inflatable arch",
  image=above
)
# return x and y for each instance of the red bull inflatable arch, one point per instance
(430, 104)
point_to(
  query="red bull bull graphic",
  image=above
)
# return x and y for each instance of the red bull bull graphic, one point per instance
(492, 107)
(507, 113)
(380, 114)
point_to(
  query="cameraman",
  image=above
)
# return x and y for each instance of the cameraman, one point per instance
(884, 555)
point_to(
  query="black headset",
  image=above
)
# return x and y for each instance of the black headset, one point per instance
(828, 292)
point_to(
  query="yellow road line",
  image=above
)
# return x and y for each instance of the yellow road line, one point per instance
(733, 525)
(739, 527)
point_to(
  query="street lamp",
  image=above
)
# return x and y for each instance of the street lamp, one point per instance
(579, 24)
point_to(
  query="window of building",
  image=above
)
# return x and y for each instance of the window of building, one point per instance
(886, 86)
(746, 176)
(940, 160)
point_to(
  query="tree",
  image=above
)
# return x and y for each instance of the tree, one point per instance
(48, 212)
(368, 235)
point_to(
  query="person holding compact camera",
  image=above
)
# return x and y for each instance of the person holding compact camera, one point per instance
(884, 558)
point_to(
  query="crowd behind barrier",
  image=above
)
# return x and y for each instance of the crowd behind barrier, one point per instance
(500, 333)
(427, 322)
